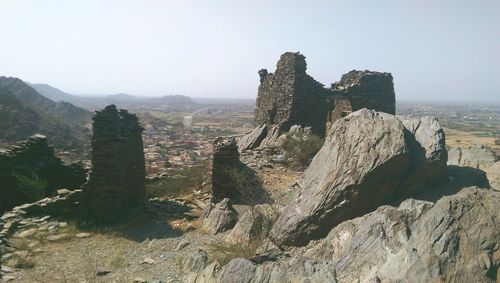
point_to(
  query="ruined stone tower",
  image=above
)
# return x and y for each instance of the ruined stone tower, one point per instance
(290, 96)
(361, 89)
(225, 162)
(117, 178)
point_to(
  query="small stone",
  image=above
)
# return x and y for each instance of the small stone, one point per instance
(140, 280)
(6, 257)
(82, 235)
(21, 254)
(27, 233)
(103, 272)
(6, 269)
(58, 237)
(63, 192)
(148, 260)
(9, 278)
(63, 224)
(182, 244)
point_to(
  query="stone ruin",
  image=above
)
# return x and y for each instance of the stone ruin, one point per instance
(117, 178)
(225, 160)
(361, 89)
(30, 171)
(289, 96)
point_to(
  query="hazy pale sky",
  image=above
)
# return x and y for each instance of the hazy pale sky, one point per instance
(439, 50)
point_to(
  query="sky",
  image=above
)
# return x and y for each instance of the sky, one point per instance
(435, 50)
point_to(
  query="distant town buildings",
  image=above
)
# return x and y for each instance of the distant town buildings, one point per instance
(188, 121)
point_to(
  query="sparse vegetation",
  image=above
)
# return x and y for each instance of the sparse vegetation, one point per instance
(299, 150)
(30, 184)
(182, 183)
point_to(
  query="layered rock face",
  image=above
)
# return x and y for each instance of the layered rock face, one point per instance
(30, 171)
(418, 241)
(364, 162)
(289, 96)
(117, 178)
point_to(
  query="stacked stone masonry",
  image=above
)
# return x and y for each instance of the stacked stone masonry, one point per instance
(226, 158)
(289, 96)
(117, 178)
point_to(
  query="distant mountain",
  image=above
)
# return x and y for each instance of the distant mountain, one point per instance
(121, 100)
(52, 93)
(26, 112)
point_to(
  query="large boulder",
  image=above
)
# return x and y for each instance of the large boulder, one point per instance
(359, 166)
(219, 217)
(454, 240)
(254, 225)
(428, 153)
(368, 159)
(252, 139)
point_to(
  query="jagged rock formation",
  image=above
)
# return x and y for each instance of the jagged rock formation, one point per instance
(364, 163)
(361, 89)
(26, 112)
(477, 156)
(289, 96)
(253, 139)
(219, 217)
(253, 225)
(30, 171)
(418, 241)
(117, 178)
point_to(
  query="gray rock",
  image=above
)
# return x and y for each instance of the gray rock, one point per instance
(478, 157)
(493, 174)
(253, 139)
(254, 225)
(220, 217)
(428, 153)
(359, 166)
(195, 261)
(453, 240)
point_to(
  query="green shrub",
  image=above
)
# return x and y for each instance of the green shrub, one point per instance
(30, 184)
(299, 150)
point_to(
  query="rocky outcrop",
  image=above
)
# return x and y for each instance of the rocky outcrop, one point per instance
(347, 178)
(254, 225)
(252, 139)
(289, 96)
(30, 171)
(477, 156)
(219, 217)
(368, 159)
(418, 241)
(428, 154)
(117, 178)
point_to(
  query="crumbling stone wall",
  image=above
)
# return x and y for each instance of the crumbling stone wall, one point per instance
(117, 178)
(361, 89)
(30, 171)
(291, 97)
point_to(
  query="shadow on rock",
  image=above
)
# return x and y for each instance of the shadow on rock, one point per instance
(456, 179)
(249, 187)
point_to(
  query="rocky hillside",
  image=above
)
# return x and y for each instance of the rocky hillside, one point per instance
(26, 112)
